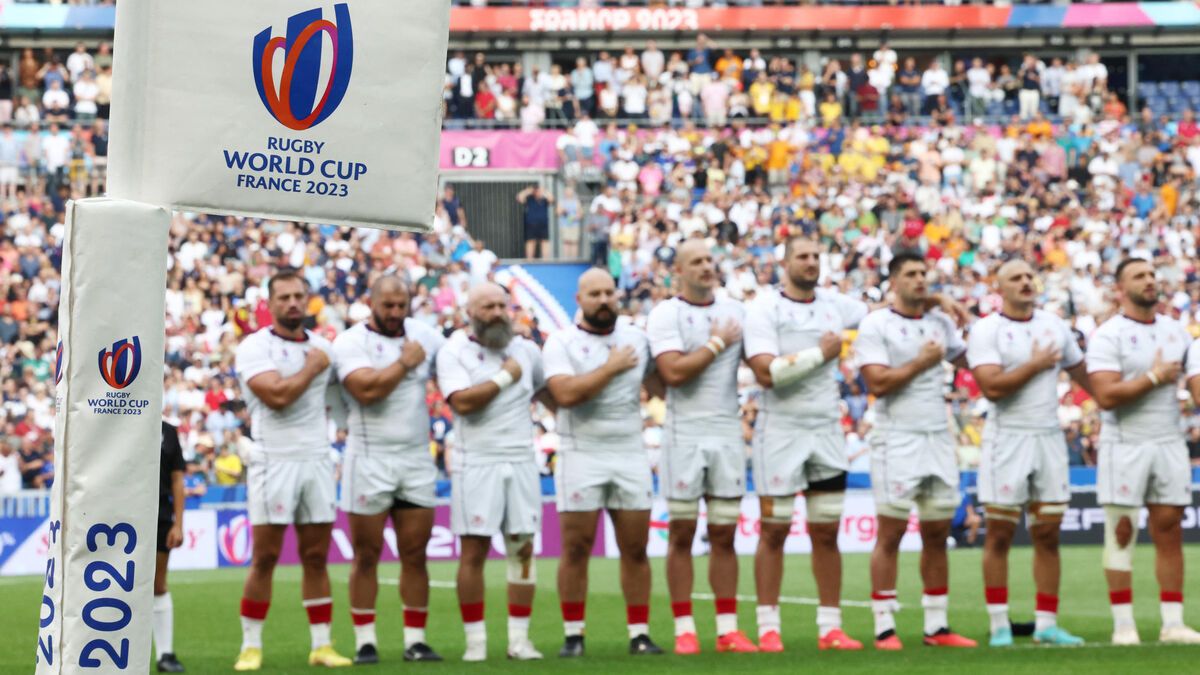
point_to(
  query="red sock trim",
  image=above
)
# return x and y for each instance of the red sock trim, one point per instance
(472, 612)
(415, 618)
(1171, 596)
(253, 609)
(362, 618)
(637, 614)
(681, 609)
(1047, 603)
(322, 613)
(726, 605)
(997, 595)
(883, 595)
(938, 591)
(572, 611)
(1124, 597)
(519, 611)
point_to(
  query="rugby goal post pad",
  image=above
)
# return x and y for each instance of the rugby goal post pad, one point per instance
(97, 605)
(322, 111)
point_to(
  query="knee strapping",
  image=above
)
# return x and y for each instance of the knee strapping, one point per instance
(933, 509)
(1048, 514)
(725, 511)
(894, 510)
(779, 510)
(1117, 557)
(825, 507)
(1009, 514)
(679, 509)
(518, 551)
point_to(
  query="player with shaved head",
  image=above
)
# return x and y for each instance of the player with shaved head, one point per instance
(595, 371)
(793, 339)
(384, 364)
(489, 376)
(1134, 362)
(1016, 356)
(696, 341)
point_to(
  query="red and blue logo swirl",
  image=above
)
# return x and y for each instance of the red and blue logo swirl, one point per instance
(296, 99)
(119, 366)
(58, 358)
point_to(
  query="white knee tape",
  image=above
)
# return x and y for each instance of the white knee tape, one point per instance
(825, 507)
(933, 510)
(518, 551)
(779, 510)
(1010, 514)
(1048, 513)
(893, 510)
(678, 509)
(1116, 557)
(725, 511)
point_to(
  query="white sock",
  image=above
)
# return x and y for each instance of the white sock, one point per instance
(1172, 614)
(935, 612)
(518, 629)
(998, 616)
(251, 633)
(412, 636)
(828, 619)
(573, 628)
(768, 619)
(164, 624)
(320, 635)
(1045, 620)
(364, 635)
(684, 624)
(636, 629)
(726, 624)
(883, 605)
(1122, 616)
(476, 630)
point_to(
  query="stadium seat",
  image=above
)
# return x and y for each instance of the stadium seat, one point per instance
(1147, 90)
(1190, 87)
(1157, 103)
(1169, 88)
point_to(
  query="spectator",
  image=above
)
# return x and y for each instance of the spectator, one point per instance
(536, 218)
(934, 83)
(1030, 95)
(10, 469)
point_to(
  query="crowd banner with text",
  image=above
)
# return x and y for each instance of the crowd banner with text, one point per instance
(101, 535)
(318, 111)
(511, 150)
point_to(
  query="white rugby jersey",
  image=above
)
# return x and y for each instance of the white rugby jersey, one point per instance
(612, 419)
(503, 429)
(777, 325)
(708, 404)
(889, 338)
(302, 428)
(401, 420)
(1002, 341)
(1125, 346)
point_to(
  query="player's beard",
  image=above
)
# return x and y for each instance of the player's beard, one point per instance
(804, 284)
(381, 325)
(494, 335)
(290, 324)
(1144, 302)
(603, 318)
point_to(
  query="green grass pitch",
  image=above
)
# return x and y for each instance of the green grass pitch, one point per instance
(207, 634)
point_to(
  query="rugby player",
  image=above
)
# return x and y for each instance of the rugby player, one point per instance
(913, 462)
(384, 364)
(489, 376)
(170, 535)
(285, 376)
(595, 373)
(1134, 361)
(1016, 356)
(793, 339)
(696, 341)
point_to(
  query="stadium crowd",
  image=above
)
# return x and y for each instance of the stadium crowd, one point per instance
(1071, 195)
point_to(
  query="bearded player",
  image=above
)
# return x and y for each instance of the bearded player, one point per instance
(285, 377)
(489, 376)
(696, 341)
(1016, 356)
(913, 463)
(793, 338)
(384, 364)
(595, 372)
(1134, 362)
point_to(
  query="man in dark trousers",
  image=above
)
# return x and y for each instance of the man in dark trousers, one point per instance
(170, 535)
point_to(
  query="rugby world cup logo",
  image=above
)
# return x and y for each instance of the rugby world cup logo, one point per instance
(312, 82)
(119, 365)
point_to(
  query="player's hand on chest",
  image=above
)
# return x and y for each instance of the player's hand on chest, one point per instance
(289, 358)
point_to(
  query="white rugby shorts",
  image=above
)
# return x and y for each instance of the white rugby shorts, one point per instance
(907, 467)
(373, 482)
(1019, 467)
(590, 480)
(299, 491)
(690, 469)
(493, 498)
(1143, 472)
(787, 461)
